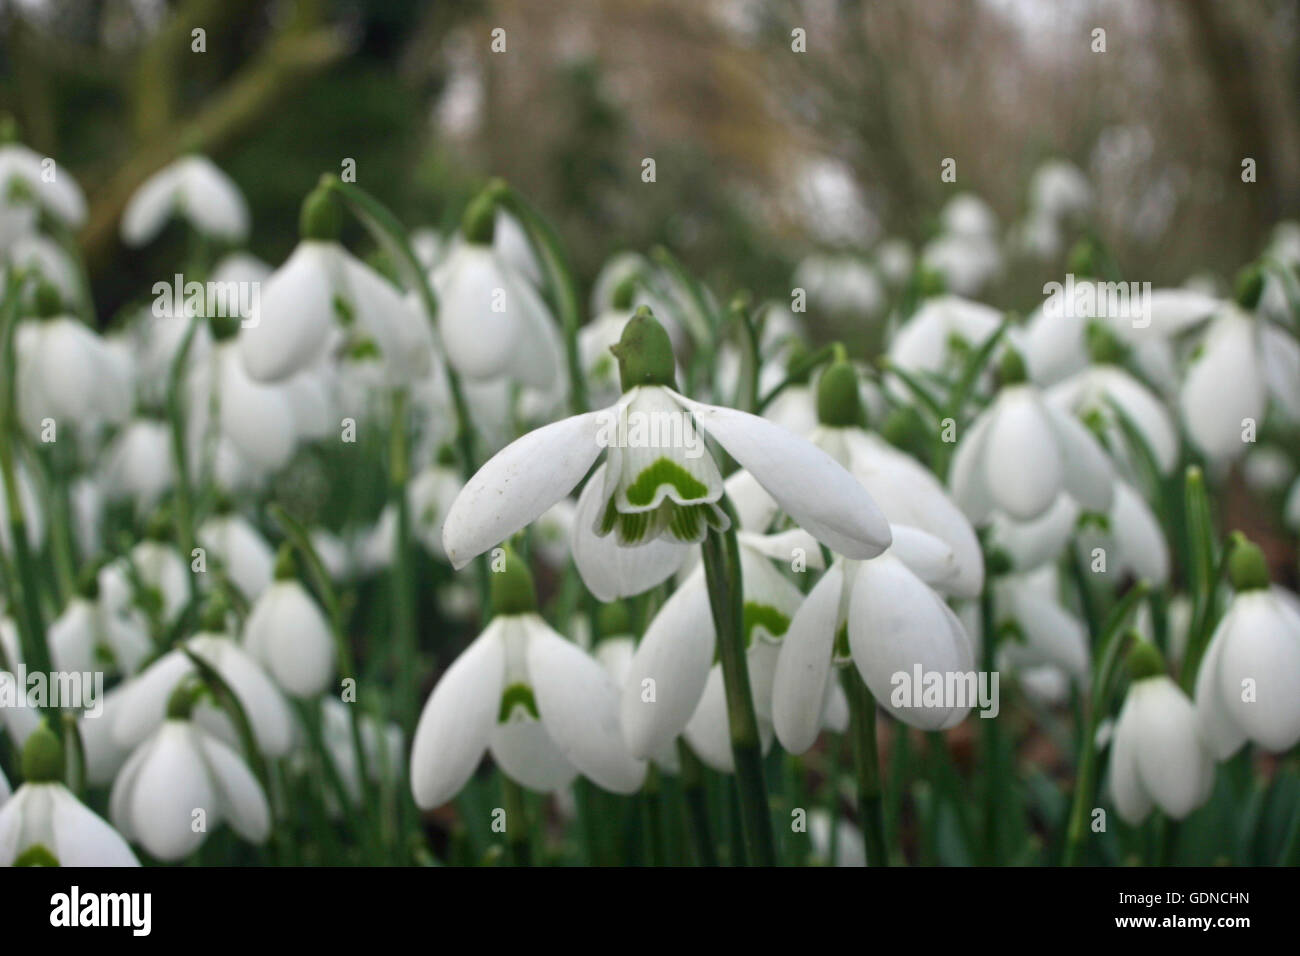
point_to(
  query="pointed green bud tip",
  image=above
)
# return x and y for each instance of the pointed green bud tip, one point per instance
(479, 222)
(613, 619)
(1247, 567)
(43, 756)
(1104, 346)
(1144, 659)
(48, 301)
(511, 585)
(839, 403)
(286, 563)
(624, 296)
(213, 616)
(180, 705)
(322, 216)
(644, 352)
(1249, 287)
(1011, 369)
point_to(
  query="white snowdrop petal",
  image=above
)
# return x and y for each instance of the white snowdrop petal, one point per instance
(243, 803)
(82, 838)
(1131, 800)
(527, 755)
(296, 316)
(1089, 476)
(579, 706)
(1022, 460)
(803, 670)
(169, 787)
(519, 483)
(669, 669)
(458, 720)
(816, 492)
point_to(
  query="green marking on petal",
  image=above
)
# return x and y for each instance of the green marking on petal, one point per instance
(764, 616)
(664, 472)
(842, 651)
(36, 855)
(517, 695)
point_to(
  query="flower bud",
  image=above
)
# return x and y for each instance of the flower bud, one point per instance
(644, 352)
(1247, 568)
(322, 216)
(1144, 659)
(43, 756)
(511, 589)
(839, 403)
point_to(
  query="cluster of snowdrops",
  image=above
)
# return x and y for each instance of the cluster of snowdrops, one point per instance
(700, 554)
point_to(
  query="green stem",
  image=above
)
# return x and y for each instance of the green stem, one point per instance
(697, 805)
(516, 823)
(184, 503)
(1109, 652)
(866, 758)
(403, 577)
(726, 599)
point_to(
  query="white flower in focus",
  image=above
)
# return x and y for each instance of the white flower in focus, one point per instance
(544, 708)
(192, 188)
(660, 480)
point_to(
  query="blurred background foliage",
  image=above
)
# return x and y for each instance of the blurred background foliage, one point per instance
(762, 154)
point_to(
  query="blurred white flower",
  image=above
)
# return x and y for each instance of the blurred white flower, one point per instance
(192, 188)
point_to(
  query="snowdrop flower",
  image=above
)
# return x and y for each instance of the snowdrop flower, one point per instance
(1091, 392)
(615, 653)
(65, 371)
(1246, 685)
(493, 323)
(138, 463)
(510, 241)
(25, 185)
(43, 824)
(383, 746)
(544, 709)
(1022, 452)
(1060, 190)
(287, 633)
(322, 297)
(87, 634)
(160, 569)
(659, 481)
(968, 215)
(882, 616)
(183, 774)
(242, 552)
(35, 253)
(192, 188)
(902, 487)
(941, 332)
(143, 707)
(1215, 415)
(966, 262)
(1157, 758)
(673, 686)
(255, 419)
(894, 261)
(1041, 632)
